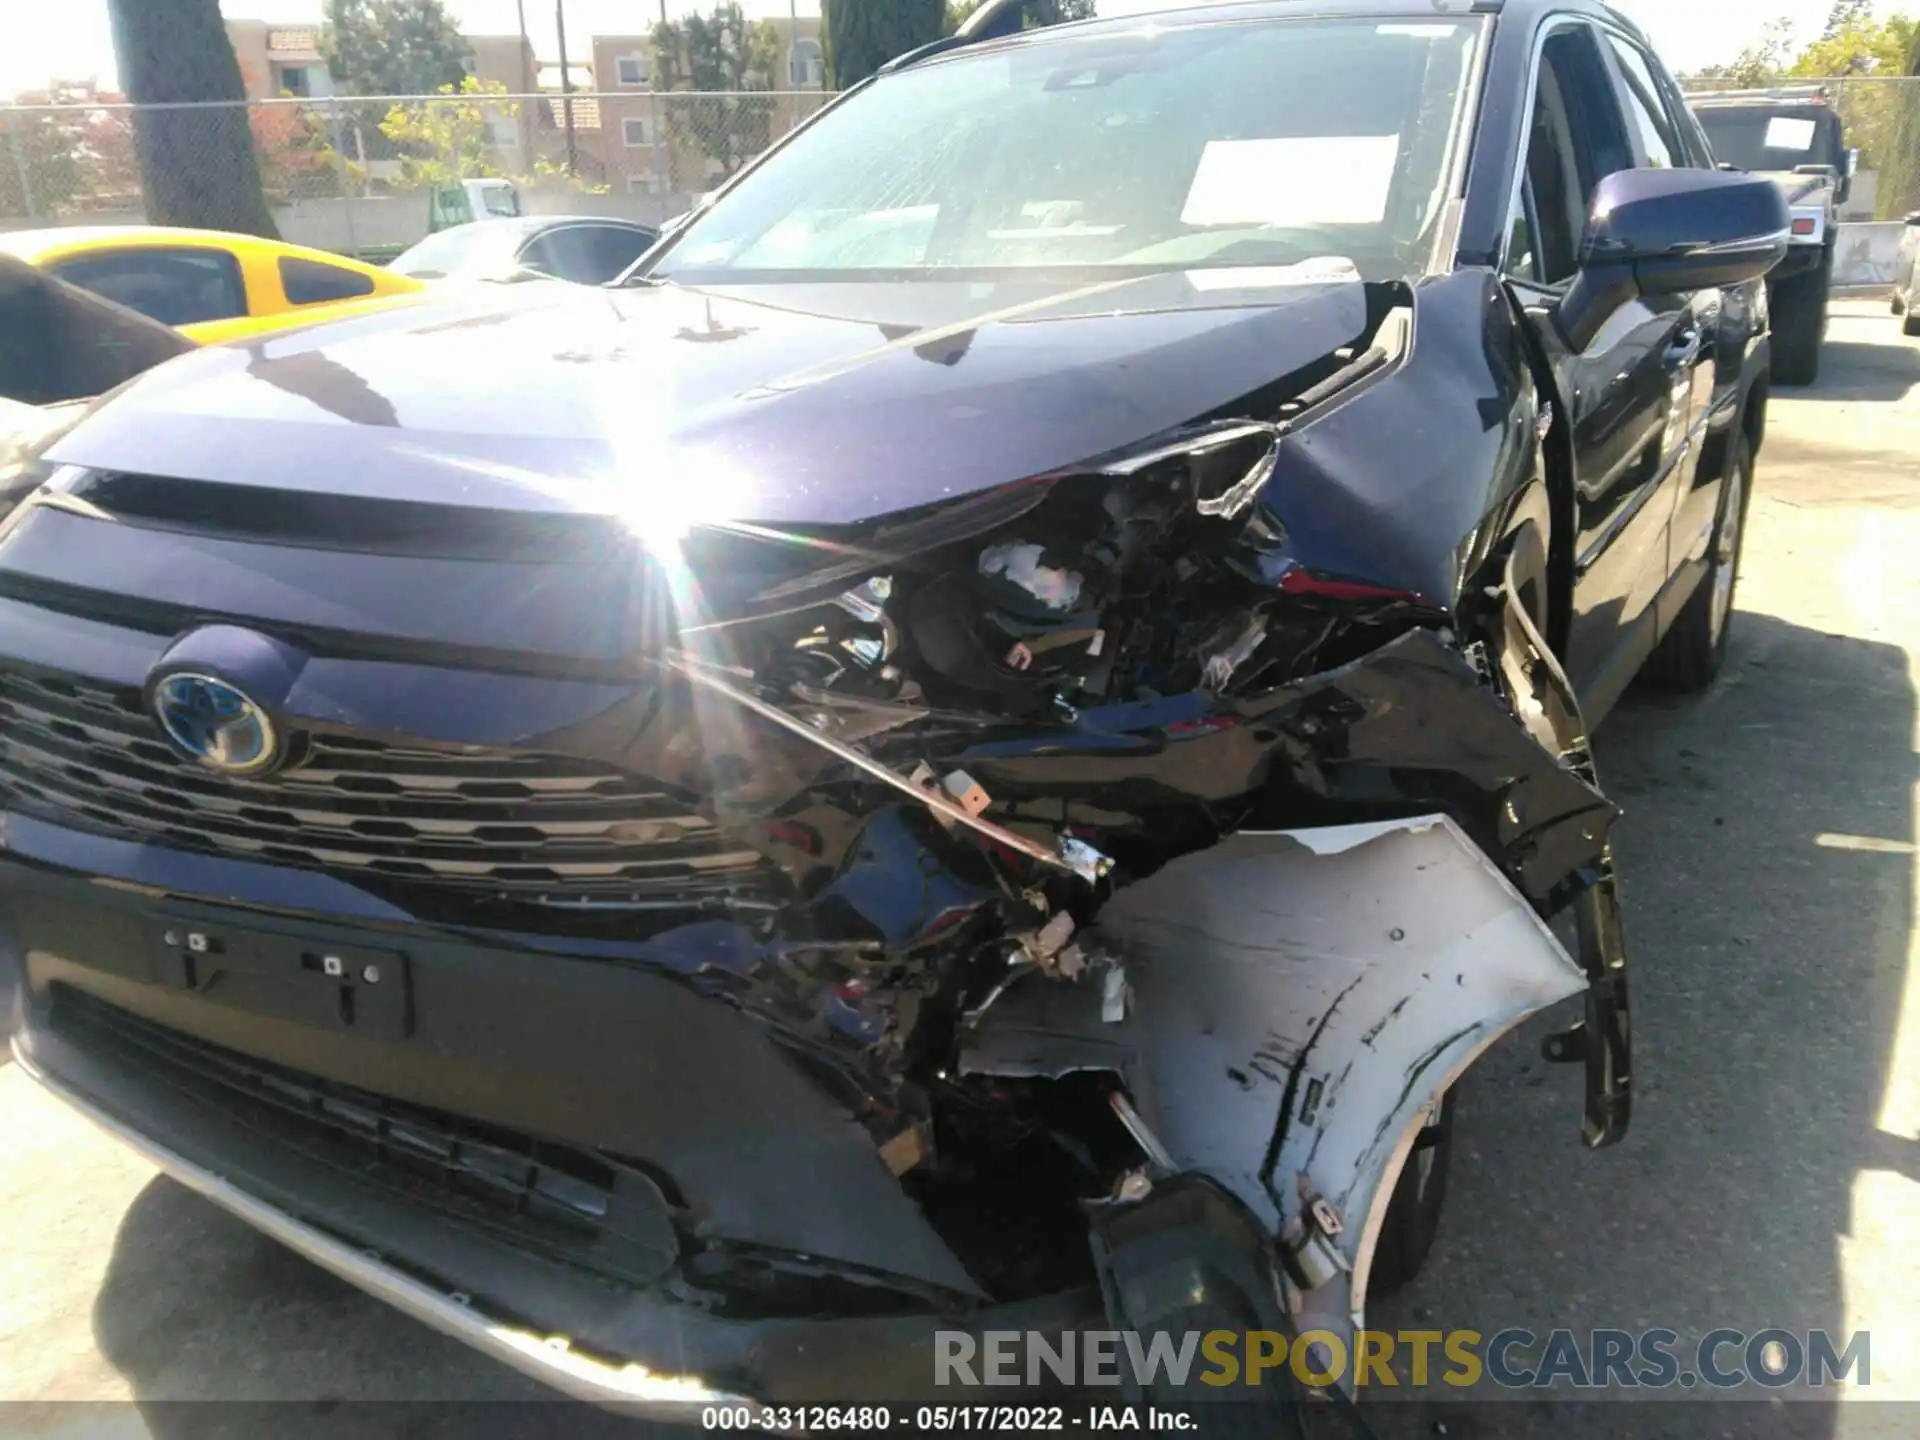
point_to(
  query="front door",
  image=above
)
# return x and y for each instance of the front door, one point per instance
(1629, 397)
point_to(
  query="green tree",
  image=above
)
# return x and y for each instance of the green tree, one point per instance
(1847, 15)
(729, 64)
(1899, 192)
(860, 36)
(1869, 47)
(1761, 63)
(1882, 116)
(441, 140)
(438, 141)
(1881, 113)
(197, 165)
(393, 47)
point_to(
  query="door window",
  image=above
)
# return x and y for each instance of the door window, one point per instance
(614, 248)
(1576, 139)
(553, 252)
(175, 287)
(585, 254)
(1655, 135)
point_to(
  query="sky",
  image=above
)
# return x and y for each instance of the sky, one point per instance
(69, 38)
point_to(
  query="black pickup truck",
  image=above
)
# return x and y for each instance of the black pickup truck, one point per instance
(1793, 136)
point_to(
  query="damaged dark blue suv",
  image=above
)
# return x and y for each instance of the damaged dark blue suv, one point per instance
(973, 747)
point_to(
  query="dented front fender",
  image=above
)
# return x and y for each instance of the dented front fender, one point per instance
(1295, 1002)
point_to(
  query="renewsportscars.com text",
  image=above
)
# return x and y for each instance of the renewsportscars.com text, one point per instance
(1511, 1359)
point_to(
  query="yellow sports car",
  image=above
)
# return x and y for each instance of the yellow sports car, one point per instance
(208, 284)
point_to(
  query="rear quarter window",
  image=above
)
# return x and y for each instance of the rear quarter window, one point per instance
(309, 282)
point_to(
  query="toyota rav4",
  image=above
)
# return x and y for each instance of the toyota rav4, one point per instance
(977, 745)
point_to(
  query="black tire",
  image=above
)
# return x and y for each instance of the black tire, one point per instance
(1691, 653)
(1911, 325)
(1800, 323)
(1413, 1214)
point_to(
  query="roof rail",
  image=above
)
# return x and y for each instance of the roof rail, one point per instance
(997, 18)
(924, 52)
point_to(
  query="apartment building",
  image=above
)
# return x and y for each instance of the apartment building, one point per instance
(279, 60)
(508, 61)
(644, 152)
(634, 132)
(623, 137)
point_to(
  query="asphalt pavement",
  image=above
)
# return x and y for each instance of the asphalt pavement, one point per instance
(1771, 1179)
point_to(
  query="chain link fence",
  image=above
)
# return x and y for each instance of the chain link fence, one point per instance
(355, 174)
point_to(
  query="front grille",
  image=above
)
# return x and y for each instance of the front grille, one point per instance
(529, 828)
(567, 1202)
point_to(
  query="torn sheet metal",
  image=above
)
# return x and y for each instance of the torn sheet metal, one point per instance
(1300, 999)
(1544, 702)
(1073, 856)
(1409, 725)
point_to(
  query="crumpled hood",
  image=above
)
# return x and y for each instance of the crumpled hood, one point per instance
(775, 403)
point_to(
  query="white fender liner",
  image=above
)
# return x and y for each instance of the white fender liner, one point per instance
(1296, 1002)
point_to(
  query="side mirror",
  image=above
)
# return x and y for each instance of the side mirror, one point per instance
(1665, 232)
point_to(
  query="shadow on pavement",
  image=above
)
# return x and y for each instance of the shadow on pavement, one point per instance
(1769, 960)
(221, 1332)
(1854, 370)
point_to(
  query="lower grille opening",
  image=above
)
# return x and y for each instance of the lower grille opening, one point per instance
(604, 1214)
(564, 1202)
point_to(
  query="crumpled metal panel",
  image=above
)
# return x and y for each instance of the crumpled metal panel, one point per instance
(1297, 1000)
